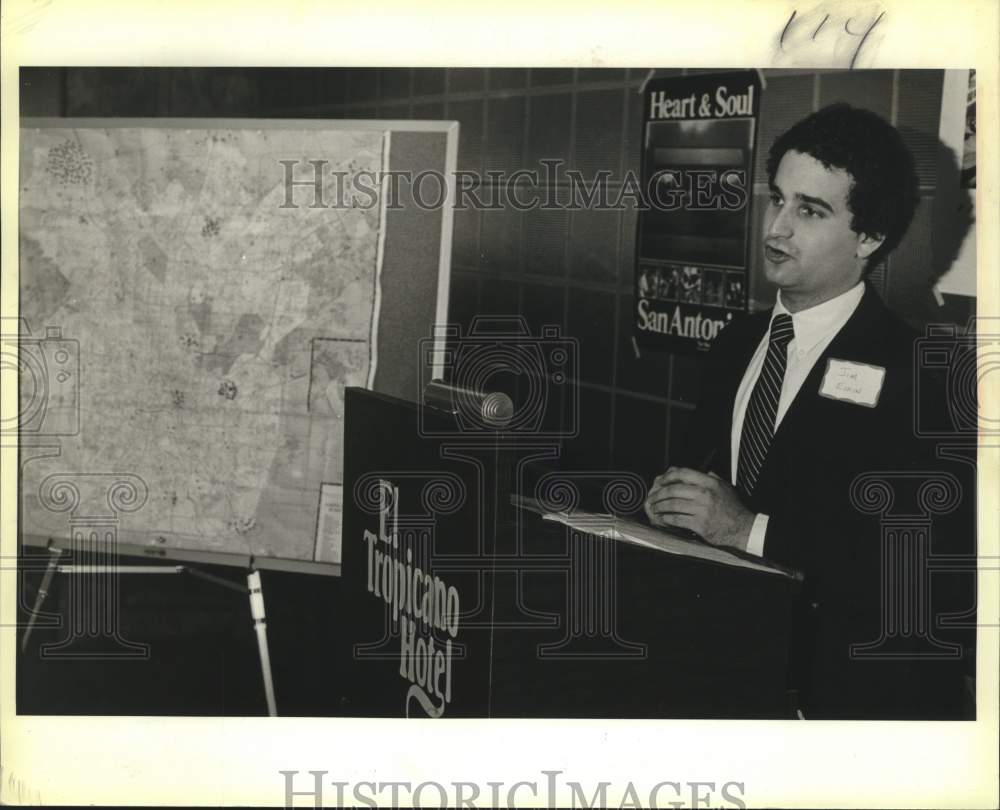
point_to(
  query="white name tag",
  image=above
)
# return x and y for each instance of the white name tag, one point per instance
(852, 382)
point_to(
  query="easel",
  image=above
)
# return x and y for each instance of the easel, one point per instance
(253, 589)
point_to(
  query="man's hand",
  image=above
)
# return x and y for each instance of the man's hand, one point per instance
(702, 503)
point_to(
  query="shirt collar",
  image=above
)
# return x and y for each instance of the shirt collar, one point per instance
(821, 321)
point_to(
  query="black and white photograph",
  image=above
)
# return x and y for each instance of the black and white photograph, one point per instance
(671, 283)
(712, 292)
(647, 282)
(456, 400)
(735, 290)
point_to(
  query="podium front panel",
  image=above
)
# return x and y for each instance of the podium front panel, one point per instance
(417, 531)
(634, 632)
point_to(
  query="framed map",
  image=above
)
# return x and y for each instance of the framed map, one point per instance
(195, 297)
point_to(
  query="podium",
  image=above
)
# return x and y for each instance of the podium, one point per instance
(459, 604)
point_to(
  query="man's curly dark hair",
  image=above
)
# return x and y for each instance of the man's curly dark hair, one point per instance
(883, 194)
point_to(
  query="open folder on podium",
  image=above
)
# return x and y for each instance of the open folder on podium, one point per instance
(631, 531)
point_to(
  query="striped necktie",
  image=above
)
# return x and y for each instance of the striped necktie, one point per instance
(758, 424)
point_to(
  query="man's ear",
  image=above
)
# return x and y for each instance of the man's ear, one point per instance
(867, 245)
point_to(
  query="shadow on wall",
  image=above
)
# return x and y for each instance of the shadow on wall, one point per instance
(950, 219)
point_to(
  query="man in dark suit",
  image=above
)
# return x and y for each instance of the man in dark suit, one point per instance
(801, 402)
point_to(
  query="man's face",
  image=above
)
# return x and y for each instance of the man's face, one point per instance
(810, 251)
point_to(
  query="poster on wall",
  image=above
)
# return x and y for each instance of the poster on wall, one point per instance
(692, 245)
(969, 142)
(957, 133)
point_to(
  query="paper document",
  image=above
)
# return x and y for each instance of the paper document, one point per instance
(329, 523)
(631, 531)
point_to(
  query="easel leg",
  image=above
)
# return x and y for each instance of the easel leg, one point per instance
(43, 591)
(260, 625)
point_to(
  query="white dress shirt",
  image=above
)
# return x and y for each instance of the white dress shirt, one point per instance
(814, 329)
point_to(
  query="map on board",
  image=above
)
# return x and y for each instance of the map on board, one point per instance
(210, 322)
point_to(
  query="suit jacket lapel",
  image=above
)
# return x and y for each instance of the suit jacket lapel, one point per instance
(854, 341)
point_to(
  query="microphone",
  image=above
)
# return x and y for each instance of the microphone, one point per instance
(494, 410)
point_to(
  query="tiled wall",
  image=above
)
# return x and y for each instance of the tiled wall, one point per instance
(573, 269)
